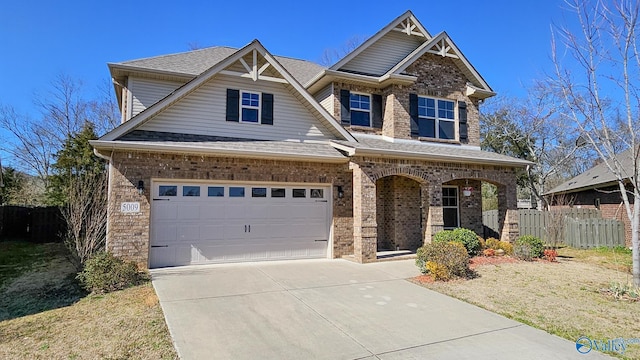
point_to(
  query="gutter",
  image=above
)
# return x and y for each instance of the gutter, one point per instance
(180, 148)
(411, 155)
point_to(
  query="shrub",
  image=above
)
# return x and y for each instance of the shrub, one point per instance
(438, 271)
(536, 247)
(492, 243)
(466, 237)
(450, 255)
(550, 255)
(507, 247)
(522, 251)
(105, 273)
(489, 252)
(482, 243)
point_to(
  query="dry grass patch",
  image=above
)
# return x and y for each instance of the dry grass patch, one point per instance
(562, 298)
(45, 315)
(127, 324)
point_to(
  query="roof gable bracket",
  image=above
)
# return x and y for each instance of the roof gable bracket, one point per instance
(253, 72)
(443, 49)
(408, 28)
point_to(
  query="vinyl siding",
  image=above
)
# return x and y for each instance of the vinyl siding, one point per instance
(147, 92)
(384, 54)
(203, 112)
(325, 98)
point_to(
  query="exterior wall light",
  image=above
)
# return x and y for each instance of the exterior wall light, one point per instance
(140, 187)
(340, 191)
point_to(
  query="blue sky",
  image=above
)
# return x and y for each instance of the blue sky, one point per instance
(507, 41)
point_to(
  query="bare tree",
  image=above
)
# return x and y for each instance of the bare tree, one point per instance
(529, 129)
(599, 82)
(331, 56)
(86, 217)
(33, 143)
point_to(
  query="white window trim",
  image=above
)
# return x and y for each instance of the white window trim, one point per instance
(259, 107)
(457, 207)
(362, 110)
(438, 119)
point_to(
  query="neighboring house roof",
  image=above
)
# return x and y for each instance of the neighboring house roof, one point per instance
(374, 145)
(597, 176)
(256, 47)
(194, 63)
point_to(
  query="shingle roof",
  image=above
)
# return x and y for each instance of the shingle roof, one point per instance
(236, 147)
(197, 61)
(597, 175)
(417, 149)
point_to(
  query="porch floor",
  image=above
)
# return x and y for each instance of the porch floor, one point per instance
(388, 255)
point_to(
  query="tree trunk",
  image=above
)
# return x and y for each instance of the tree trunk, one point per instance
(635, 238)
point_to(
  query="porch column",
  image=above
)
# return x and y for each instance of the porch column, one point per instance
(435, 220)
(508, 212)
(365, 228)
(424, 206)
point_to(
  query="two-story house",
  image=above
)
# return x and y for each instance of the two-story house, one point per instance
(230, 155)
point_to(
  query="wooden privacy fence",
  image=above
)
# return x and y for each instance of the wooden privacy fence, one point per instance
(35, 224)
(582, 228)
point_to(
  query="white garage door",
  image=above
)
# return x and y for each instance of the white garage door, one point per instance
(213, 223)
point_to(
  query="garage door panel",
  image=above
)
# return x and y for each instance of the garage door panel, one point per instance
(219, 228)
(165, 232)
(189, 211)
(165, 210)
(189, 232)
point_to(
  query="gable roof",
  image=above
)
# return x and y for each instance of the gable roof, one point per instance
(193, 63)
(412, 23)
(220, 66)
(597, 176)
(444, 46)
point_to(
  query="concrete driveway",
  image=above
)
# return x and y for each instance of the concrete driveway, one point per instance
(335, 309)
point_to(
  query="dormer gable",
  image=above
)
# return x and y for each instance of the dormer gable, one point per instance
(386, 48)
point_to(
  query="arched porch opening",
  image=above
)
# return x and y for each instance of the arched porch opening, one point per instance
(399, 213)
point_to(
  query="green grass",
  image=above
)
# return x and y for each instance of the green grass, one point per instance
(18, 257)
(616, 258)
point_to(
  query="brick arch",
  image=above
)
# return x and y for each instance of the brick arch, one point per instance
(414, 174)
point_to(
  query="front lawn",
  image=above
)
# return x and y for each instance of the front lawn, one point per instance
(45, 315)
(565, 298)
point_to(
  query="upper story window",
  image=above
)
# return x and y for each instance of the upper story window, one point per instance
(360, 105)
(436, 118)
(250, 107)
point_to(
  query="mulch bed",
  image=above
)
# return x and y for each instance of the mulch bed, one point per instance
(474, 262)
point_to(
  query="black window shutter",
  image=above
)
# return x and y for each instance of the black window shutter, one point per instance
(413, 114)
(233, 105)
(376, 111)
(462, 120)
(267, 109)
(345, 108)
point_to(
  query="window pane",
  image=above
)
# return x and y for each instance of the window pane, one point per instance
(215, 191)
(191, 191)
(299, 193)
(259, 192)
(447, 130)
(450, 217)
(317, 193)
(360, 118)
(277, 193)
(250, 115)
(427, 128)
(168, 190)
(236, 191)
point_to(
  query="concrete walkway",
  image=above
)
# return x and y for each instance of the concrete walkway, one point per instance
(335, 309)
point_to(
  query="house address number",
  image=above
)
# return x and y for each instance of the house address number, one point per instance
(130, 207)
